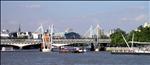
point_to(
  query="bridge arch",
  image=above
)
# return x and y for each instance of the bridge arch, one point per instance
(21, 46)
(33, 46)
(14, 46)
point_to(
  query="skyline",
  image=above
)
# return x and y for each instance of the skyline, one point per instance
(78, 15)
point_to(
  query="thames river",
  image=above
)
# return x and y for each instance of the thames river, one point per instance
(34, 57)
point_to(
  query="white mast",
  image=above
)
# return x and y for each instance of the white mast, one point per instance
(97, 35)
(41, 29)
(91, 31)
(132, 40)
(97, 32)
(52, 30)
(125, 41)
(42, 32)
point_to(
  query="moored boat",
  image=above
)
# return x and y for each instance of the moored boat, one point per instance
(7, 49)
(72, 50)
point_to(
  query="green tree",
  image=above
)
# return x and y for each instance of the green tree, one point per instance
(140, 27)
(142, 35)
(117, 39)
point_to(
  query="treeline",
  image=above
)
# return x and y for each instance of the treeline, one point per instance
(142, 34)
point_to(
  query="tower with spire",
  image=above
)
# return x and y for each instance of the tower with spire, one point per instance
(19, 29)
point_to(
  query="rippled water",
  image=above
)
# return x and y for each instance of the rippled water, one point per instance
(55, 58)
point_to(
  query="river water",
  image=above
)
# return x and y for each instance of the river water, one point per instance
(34, 57)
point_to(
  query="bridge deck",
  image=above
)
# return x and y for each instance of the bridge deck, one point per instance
(24, 42)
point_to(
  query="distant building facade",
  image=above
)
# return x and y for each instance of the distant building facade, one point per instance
(146, 24)
(4, 33)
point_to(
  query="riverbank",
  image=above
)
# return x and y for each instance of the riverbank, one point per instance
(126, 48)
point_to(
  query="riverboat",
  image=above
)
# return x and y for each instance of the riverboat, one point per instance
(72, 50)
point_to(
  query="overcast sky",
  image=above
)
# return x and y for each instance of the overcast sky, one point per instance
(78, 15)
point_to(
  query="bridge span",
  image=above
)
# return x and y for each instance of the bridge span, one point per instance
(56, 42)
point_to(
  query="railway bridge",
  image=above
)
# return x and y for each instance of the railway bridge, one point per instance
(56, 42)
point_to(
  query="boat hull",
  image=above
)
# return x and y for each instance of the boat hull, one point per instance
(45, 50)
(130, 53)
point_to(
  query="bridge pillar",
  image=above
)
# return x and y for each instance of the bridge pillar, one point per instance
(20, 47)
(92, 47)
(97, 47)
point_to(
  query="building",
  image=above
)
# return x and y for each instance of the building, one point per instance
(4, 34)
(24, 35)
(59, 35)
(146, 24)
(35, 35)
(110, 32)
(72, 35)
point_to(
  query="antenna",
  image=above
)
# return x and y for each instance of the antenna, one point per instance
(125, 41)
(19, 30)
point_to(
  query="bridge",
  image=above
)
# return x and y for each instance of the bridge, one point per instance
(91, 36)
(56, 42)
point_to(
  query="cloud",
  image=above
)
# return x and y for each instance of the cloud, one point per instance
(13, 22)
(124, 19)
(33, 6)
(140, 17)
(136, 18)
(138, 7)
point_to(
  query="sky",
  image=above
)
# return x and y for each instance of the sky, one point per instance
(77, 15)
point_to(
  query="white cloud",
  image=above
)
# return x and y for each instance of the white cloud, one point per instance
(13, 22)
(124, 19)
(140, 17)
(33, 6)
(139, 7)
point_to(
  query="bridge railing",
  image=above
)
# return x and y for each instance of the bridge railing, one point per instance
(73, 40)
(135, 42)
(20, 41)
(55, 41)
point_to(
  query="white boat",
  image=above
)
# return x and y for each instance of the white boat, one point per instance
(68, 49)
(46, 50)
(7, 49)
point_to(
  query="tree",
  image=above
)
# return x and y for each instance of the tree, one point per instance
(140, 27)
(143, 35)
(116, 38)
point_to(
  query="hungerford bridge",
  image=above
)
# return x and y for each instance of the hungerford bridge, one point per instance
(56, 42)
(86, 39)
